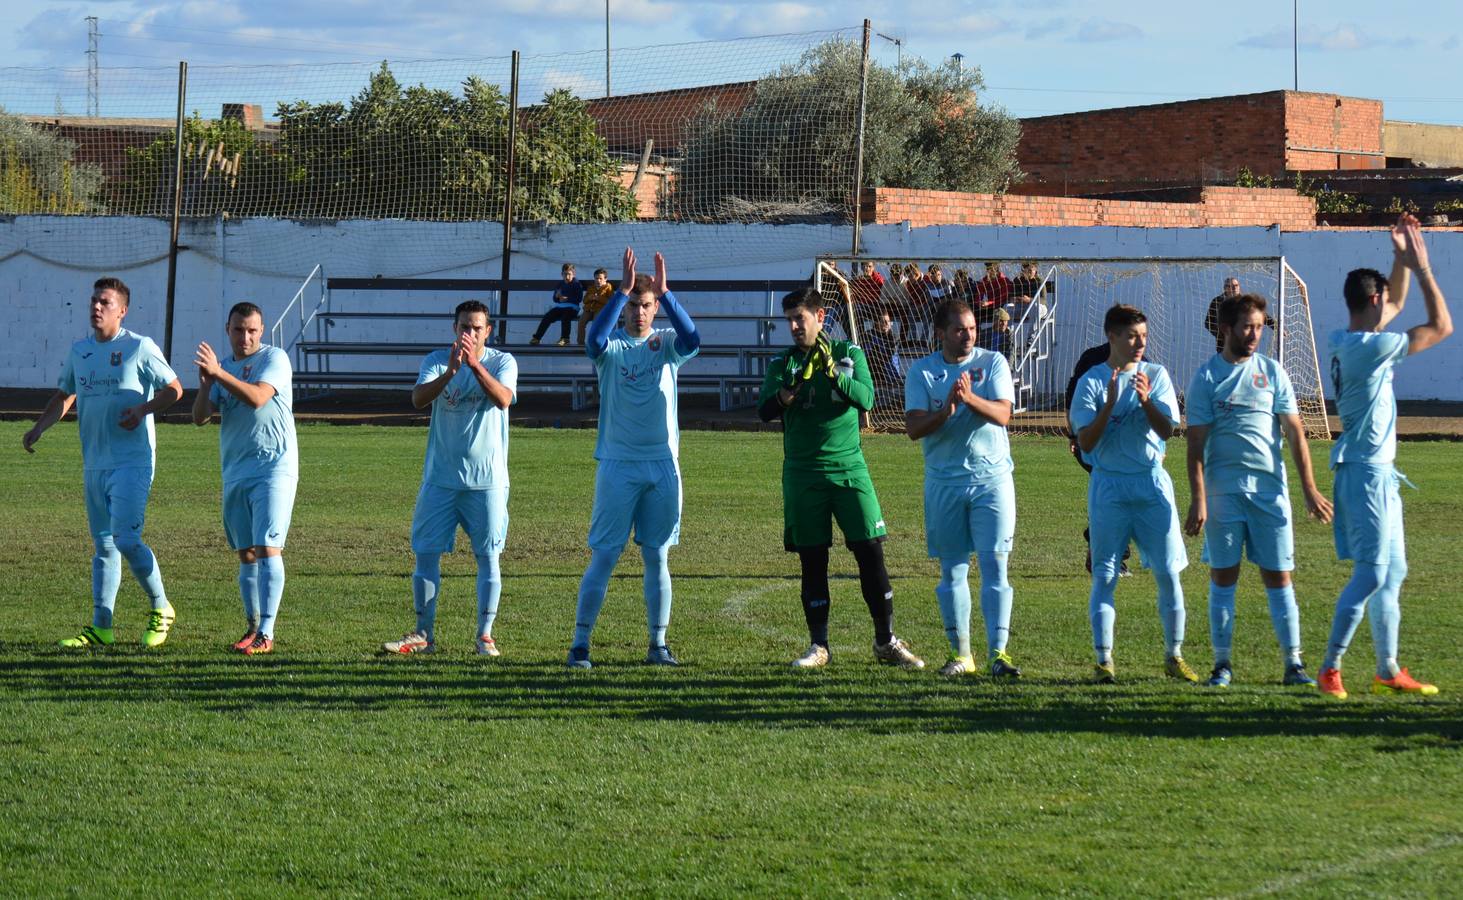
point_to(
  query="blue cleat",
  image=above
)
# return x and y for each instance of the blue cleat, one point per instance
(579, 658)
(660, 656)
(1220, 677)
(1296, 675)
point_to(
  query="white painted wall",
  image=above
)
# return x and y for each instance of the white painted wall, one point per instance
(47, 265)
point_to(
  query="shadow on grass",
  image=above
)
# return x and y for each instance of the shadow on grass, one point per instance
(857, 697)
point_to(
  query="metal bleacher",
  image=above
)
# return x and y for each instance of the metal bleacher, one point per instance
(385, 349)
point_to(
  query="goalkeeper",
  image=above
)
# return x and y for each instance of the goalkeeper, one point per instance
(818, 387)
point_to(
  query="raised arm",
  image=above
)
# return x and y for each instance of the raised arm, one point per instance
(1439, 324)
(1091, 433)
(598, 335)
(55, 411)
(687, 340)
(1397, 281)
(203, 400)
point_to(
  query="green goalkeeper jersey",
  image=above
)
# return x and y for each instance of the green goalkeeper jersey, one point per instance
(820, 429)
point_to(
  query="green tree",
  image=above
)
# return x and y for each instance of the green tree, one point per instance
(793, 146)
(406, 153)
(39, 172)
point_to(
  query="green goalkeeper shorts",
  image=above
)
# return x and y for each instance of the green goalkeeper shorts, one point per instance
(811, 501)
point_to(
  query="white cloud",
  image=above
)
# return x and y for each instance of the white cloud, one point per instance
(1343, 38)
(1101, 30)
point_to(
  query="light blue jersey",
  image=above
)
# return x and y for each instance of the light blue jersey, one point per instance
(968, 448)
(1361, 378)
(1128, 445)
(108, 377)
(467, 443)
(638, 418)
(1241, 404)
(257, 442)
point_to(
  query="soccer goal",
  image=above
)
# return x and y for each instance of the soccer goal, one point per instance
(1042, 314)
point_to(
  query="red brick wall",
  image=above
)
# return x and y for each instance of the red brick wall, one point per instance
(1195, 141)
(1332, 125)
(1199, 141)
(1218, 207)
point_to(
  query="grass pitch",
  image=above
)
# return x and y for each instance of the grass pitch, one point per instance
(327, 768)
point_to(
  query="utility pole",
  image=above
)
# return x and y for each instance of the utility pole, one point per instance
(1294, 37)
(93, 86)
(607, 49)
(898, 51)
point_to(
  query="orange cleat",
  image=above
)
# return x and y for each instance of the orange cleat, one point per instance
(1331, 684)
(242, 644)
(259, 645)
(1402, 684)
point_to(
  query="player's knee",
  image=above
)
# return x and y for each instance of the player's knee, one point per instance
(1366, 579)
(654, 556)
(104, 545)
(953, 572)
(993, 568)
(129, 545)
(248, 556)
(487, 563)
(428, 566)
(1396, 573)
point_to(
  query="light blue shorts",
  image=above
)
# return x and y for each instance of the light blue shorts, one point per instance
(482, 514)
(1141, 508)
(643, 494)
(961, 519)
(1258, 525)
(1368, 522)
(257, 511)
(116, 501)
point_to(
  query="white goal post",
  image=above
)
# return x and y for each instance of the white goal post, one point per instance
(1068, 297)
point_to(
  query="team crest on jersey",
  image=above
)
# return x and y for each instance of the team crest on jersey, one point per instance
(653, 343)
(1260, 381)
(116, 357)
(977, 376)
(248, 370)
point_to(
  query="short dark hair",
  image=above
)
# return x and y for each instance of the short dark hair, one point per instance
(471, 306)
(1120, 316)
(1231, 308)
(604, 272)
(566, 268)
(808, 298)
(644, 284)
(948, 310)
(111, 283)
(1361, 286)
(244, 310)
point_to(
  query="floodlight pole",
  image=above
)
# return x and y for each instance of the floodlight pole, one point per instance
(508, 199)
(607, 49)
(1294, 39)
(177, 206)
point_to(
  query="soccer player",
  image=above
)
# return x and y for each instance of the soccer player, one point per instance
(1240, 402)
(638, 482)
(817, 388)
(253, 393)
(465, 476)
(958, 400)
(1123, 413)
(1368, 526)
(118, 381)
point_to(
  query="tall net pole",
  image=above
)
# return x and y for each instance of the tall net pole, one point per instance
(508, 197)
(177, 209)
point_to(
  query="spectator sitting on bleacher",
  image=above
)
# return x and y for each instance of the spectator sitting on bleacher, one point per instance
(595, 297)
(998, 338)
(882, 351)
(567, 297)
(991, 293)
(1028, 283)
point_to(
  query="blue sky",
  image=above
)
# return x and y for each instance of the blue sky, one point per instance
(1038, 56)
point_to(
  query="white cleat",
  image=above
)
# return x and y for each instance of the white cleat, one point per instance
(815, 658)
(897, 653)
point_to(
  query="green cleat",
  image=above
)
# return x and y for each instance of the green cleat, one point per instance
(157, 626)
(90, 636)
(1175, 667)
(1003, 667)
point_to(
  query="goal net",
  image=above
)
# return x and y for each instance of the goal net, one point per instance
(1042, 314)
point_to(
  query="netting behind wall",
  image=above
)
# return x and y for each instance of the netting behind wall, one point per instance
(713, 132)
(1042, 315)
